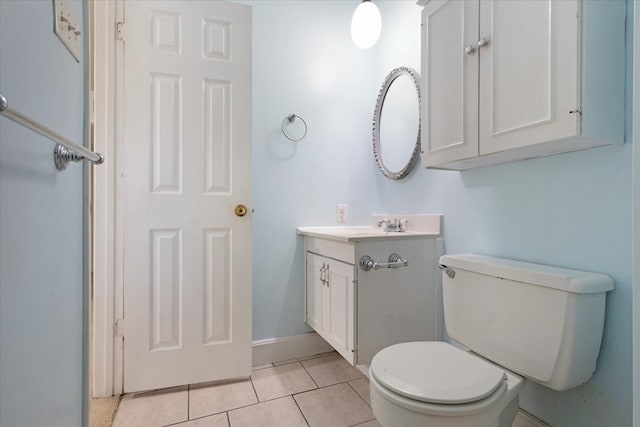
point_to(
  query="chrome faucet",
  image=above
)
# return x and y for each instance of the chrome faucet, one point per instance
(396, 225)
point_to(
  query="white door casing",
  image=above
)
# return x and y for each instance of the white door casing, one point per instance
(187, 164)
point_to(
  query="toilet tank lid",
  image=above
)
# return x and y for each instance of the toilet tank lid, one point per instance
(575, 281)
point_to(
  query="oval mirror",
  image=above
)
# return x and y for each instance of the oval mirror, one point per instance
(396, 133)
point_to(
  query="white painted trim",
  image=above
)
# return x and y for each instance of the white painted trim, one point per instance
(635, 209)
(107, 230)
(103, 198)
(116, 79)
(525, 419)
(291, 347)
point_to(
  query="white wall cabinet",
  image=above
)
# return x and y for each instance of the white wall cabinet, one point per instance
(361, 312)
(505, 80)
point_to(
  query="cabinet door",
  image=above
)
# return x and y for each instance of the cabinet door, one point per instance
(529, 78)
(449, 81)
(314, 291)
(339, 323)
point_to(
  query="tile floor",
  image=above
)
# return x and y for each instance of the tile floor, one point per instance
(317, 391)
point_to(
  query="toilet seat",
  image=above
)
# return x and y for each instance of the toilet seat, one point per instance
(416, 406)
(435, 372)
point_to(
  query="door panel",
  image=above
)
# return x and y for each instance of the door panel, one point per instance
(314, 292)
(340, 328)
(449, 81)
(187, 151)
(528, 84)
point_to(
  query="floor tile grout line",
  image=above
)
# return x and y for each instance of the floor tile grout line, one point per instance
(179, 422)
(254, 390)
(198, 418)
(258, 401)
(358, 394)
(340, 382)
(300, 409)
(326, 386)
(283, 396)
(287, 394)
(310, 376)
(226, 410)
(332, 385)
(261, 367)
(292, 395)
(233, 409)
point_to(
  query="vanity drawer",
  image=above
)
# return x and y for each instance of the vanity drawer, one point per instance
(340, 251)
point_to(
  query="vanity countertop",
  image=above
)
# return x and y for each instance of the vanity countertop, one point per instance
(352, 234)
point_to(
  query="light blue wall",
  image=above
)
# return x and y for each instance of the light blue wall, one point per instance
(571, 210)
(304, 63)
(41, 256)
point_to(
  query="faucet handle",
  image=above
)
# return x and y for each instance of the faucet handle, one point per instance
(402, 224)
(383, 221)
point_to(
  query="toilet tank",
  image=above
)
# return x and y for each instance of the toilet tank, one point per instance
(542, 322)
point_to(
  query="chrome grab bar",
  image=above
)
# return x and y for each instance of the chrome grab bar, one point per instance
(395, 261)
(65, 150)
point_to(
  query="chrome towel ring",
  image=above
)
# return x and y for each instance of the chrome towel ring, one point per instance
(290, 119)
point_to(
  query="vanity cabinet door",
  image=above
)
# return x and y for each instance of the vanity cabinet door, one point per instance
(315, 287)
(338, 297)
(331, 303)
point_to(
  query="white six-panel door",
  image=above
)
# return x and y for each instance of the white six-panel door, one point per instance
(187, 164)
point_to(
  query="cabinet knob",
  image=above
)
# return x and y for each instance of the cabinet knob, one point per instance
(483, 42)
(469, 50)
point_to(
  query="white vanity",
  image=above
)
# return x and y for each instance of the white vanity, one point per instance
(359, 311)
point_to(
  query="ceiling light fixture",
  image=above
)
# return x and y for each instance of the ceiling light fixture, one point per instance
(366, 25)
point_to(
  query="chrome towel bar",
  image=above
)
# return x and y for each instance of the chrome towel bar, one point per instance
(65, 150)
(395, 261)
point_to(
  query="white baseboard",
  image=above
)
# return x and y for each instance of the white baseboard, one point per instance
(291, 347)
(525, 419)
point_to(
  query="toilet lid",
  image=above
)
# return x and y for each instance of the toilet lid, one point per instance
(435, 372)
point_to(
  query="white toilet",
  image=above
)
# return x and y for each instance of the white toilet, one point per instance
(518, 320)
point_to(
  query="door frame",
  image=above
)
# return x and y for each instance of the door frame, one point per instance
(107, 261)
(635, 209)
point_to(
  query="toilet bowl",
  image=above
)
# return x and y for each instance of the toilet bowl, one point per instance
(435, 384)
(505, 312)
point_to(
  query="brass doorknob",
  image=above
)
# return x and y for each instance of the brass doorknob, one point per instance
(240, 210)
